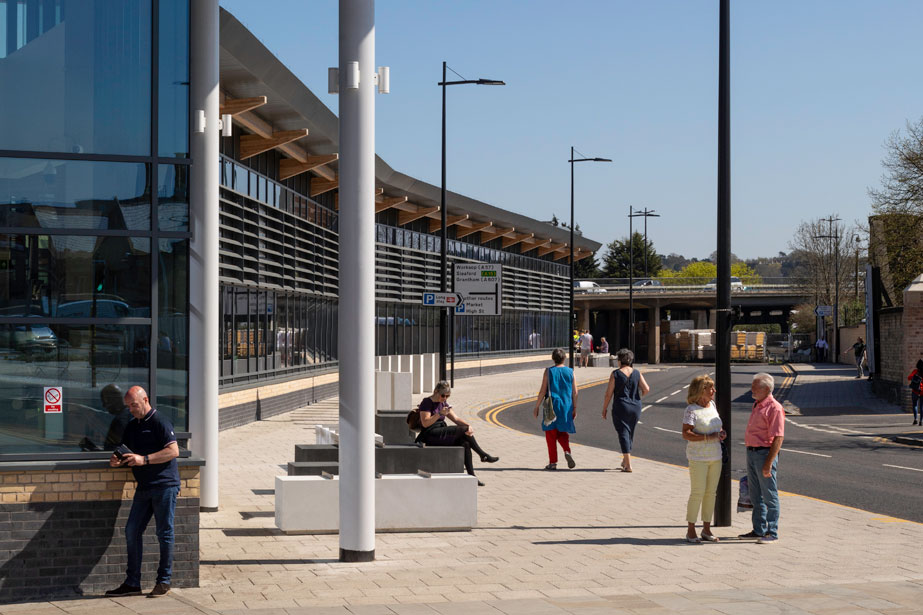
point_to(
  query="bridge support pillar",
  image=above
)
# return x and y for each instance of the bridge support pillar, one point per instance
(653, 334)
(584, 319)
(700, 319)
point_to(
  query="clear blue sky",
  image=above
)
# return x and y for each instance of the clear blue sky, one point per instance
(817, 87)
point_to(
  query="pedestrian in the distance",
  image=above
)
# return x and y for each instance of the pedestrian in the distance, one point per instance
(603, 345)
(586, 347)
(764, 435)
(821, 347)
(558, 383)
(626, 386)
(916, 392)
(703, 433)
(859, 351)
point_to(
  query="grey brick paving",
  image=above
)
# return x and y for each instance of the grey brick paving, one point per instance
(574, 542)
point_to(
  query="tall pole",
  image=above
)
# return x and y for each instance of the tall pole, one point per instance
(203, 248)
(443, 258)
(836, 292)
(570, 316)
(723, 321)
(645, 243)
(356, 330)
(631, 280)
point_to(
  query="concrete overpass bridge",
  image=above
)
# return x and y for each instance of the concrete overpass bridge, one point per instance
(603, 309)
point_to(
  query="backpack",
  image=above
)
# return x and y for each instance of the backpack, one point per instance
(413, 419)
(915, 382)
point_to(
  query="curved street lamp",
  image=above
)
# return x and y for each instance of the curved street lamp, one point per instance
(570, 319)
(444, 314)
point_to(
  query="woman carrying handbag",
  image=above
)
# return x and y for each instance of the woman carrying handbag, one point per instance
(561, 391)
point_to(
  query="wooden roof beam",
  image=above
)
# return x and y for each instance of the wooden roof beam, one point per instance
(435, 224)
(536, 243)
(474, 228)
(582, 255)
(251, 145)
(512, 240)
(496, 232)
(388, 202)
(406, 217)
(552, 247)
(236, 106)
(259, 126)
(289, 167)
(319, 185)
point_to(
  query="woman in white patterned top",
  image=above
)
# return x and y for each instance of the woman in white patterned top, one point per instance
(703, 434)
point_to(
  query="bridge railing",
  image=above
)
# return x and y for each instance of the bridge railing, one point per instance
(686, 285)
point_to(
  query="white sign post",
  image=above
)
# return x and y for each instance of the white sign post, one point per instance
(479, 287)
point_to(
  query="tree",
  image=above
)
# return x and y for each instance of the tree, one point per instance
(896, 232)
(615, 260)
(587, 268)
(819, 244)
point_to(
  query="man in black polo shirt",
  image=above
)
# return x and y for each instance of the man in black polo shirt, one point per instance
(152, 459)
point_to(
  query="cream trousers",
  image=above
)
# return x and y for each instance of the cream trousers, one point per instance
(703, 478)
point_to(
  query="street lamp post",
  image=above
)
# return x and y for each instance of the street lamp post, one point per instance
(647, 213)
(570, 319)
(834, 235)
(444, 313)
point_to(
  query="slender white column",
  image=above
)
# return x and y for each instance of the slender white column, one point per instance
(357, 283)
(203, 257)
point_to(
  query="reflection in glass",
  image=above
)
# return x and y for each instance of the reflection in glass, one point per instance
(173, 197)
(172, 335)
(75, 276)
(74, 194)
(83, 361)
(173, 76)
(83, 76)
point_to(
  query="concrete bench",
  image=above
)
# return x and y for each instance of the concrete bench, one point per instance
(403, 502)
(392, 425)
(313, 468)
(390, 459)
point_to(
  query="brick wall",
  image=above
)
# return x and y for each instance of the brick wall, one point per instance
(913, 334)
(888, 383)
(62, 531)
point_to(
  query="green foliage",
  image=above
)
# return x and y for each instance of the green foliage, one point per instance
(616, 259)
(747, 275)
(587, 268)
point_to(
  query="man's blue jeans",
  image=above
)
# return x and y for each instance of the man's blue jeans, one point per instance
(161, 504)
(764, 493)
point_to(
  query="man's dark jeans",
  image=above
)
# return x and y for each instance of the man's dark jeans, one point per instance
(161, 504)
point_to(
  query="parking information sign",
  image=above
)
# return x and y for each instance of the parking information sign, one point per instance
(479, 287)
(53, 400)
(441, 299)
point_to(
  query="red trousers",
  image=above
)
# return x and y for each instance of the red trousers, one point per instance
(552, 437)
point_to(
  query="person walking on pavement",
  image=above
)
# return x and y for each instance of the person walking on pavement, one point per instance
(558, 383)
(821, 346)
(859, 350)
(151, 455)
(916, 392)
(626, 387)
(764, 435)
(703, 433)
(586, 347)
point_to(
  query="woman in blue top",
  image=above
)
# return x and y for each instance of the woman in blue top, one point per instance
(558, 383)
(626, 385)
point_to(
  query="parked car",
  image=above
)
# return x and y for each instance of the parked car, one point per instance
(586, 286)
(736, 284)
(34, 340)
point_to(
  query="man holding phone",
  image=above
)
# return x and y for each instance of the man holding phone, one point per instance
(149, 448)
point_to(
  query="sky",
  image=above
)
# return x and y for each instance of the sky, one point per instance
(817, 87)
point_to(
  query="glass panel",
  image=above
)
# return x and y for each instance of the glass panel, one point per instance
(173, 197)
(82, 75)
(93, 365)
(172, 335)
(173, 77)
(75, 277)
(70, 194)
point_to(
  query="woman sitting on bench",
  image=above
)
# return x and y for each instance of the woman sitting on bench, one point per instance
(434, 410)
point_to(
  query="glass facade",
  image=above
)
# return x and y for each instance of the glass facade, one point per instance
(94, 218)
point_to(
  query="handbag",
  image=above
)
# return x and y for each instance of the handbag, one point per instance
(725, 453)
(548, 415)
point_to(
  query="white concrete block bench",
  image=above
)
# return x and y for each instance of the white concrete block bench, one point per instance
(403, 502)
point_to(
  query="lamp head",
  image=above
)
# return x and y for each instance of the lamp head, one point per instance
(489, 82)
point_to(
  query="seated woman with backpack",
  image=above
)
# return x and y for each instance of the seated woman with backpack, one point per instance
(434, 410)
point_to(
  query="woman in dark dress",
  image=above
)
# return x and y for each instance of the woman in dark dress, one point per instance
(626, 386)
(434, 410)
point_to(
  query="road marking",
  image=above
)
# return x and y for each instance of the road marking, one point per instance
(491, 415)
(645, 408)
(686, 387)
(669, 430)
(661, 399)
(675, 392)
(888, 465)
(791, 450)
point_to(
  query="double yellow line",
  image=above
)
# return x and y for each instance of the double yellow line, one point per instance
(786, 386)
(493, 413)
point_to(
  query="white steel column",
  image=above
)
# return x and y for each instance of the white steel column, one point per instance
(356, 351)
(203, 254)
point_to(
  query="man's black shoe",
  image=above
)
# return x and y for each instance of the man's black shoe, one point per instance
(161, 589)
(750, 534)
(124, 590)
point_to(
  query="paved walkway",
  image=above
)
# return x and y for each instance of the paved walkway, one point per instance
(586, 541)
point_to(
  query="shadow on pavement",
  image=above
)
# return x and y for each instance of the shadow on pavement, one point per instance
(648, 542)
(264, 562)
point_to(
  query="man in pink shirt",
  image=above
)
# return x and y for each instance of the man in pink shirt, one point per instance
(763, 438)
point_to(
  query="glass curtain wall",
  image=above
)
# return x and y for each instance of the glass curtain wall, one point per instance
(94, 209)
